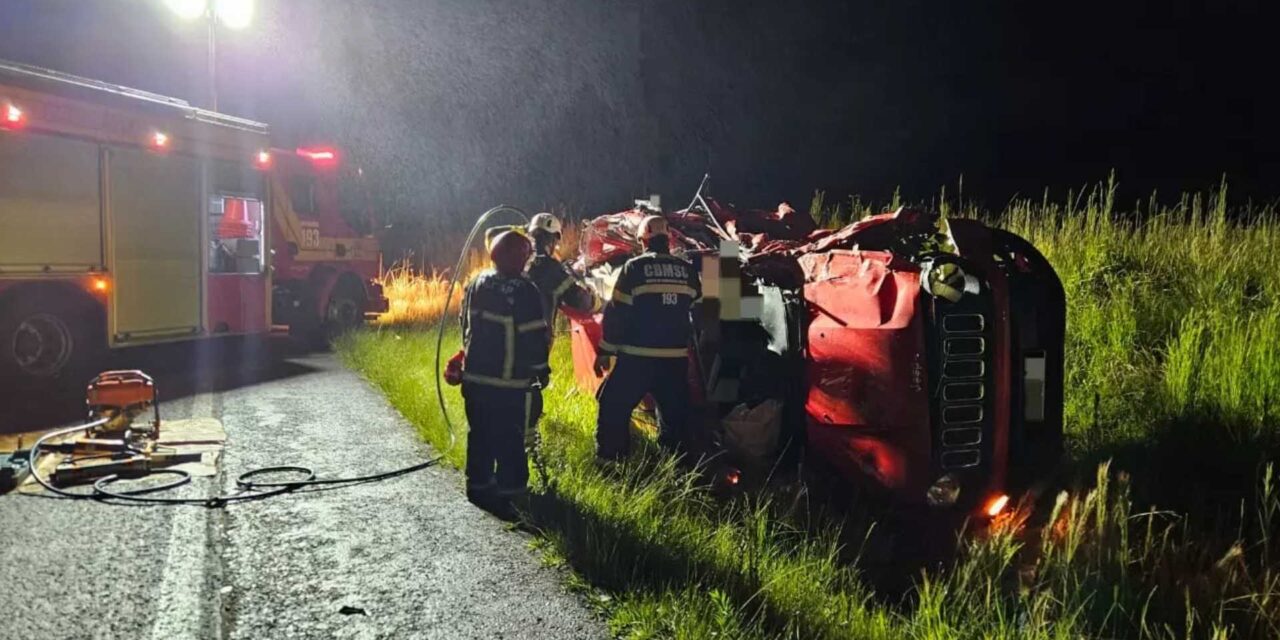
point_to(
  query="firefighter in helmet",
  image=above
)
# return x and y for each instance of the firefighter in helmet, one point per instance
(647, 328)
(559, 287)
(504, 367)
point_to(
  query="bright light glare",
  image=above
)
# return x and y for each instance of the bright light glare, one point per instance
(187, 9)
(100, 284)
(160, 140)
(996, 505)
(263, 159)
(235, 14)
(319, 154)
(12, 114)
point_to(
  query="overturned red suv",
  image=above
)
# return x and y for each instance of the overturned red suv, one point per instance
(916, 354)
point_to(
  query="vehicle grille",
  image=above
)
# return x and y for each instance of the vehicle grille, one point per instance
(962, 387)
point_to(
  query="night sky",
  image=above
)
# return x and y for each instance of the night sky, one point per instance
(455, 105)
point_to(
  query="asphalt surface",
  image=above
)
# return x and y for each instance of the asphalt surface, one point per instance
(407, 557)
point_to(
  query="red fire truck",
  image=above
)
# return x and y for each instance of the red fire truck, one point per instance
(129, 218)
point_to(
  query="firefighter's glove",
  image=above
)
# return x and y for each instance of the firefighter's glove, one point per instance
(603, 363)
(453, 370)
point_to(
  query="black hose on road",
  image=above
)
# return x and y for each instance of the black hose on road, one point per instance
(248, 488)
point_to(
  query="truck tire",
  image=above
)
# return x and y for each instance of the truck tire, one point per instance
(50, 338)
(345, 310)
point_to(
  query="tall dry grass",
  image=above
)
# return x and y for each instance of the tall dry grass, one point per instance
(416, 297)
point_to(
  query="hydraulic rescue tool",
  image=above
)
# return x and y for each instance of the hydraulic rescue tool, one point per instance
(115, 444)
(112, 447)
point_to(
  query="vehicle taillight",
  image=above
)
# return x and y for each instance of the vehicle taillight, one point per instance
(14, 117)
(262, 160)
(996, 505)
(159, 140)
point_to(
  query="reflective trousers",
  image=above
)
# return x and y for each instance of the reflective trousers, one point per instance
(497, 420)
(631, 379)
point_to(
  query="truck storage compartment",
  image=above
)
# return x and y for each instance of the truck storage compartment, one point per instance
(156, 253)
(50, 211)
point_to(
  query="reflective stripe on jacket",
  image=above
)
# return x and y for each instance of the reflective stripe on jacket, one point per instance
(558, 287)
(504, 332)
(648, 314)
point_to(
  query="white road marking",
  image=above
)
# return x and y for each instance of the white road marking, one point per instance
(181, 589)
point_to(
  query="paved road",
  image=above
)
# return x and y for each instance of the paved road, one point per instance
(406, 558)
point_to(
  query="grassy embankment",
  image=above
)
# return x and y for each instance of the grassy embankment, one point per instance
(1173, 362)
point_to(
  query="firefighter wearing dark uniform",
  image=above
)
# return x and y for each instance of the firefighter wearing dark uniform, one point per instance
(647, 326)
(505, 338)
(558, 286)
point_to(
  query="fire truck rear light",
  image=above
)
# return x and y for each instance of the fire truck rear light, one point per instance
(996, 505)
(262, 159)
(160, 140)
(14, 116)
(318, 154)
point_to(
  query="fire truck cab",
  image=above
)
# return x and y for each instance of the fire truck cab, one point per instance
(129, 218)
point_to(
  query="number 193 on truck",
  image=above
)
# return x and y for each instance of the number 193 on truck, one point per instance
(129, 218)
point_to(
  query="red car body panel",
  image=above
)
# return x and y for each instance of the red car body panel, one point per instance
(973, 241)
(866, 346)
(586, 332)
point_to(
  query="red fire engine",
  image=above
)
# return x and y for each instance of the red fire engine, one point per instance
(129, 218)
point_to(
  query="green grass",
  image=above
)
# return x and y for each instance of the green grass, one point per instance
(1173, 338)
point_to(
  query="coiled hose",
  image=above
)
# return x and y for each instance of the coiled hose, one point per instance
(247, 488)
(448, 297)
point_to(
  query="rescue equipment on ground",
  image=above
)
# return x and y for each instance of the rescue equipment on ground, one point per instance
(113, 447)
(751, 433)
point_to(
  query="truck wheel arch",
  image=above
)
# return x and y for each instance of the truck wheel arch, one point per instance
(82, 315)
(326, 280)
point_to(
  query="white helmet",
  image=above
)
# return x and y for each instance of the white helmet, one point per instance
(545, 223)
(652, 226)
